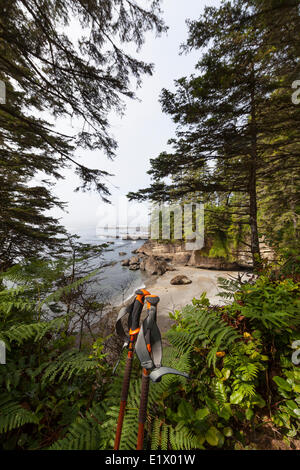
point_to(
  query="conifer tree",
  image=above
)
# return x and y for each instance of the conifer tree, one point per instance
(235, 116)
(47, 68)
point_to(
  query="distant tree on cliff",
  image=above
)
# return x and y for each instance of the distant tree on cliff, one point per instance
(47, 69)
(235, 118)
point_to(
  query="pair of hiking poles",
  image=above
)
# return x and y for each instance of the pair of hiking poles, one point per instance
(145, 340)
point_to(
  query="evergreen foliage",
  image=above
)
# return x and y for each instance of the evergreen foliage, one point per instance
(69, 75)
(54, 396)
(236, 149)
(238, 135)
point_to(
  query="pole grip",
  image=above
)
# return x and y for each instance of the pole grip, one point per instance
(137, 308)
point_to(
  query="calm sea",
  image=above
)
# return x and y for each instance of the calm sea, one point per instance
(116, 283)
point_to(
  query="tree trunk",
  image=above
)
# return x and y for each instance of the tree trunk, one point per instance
(256, 258)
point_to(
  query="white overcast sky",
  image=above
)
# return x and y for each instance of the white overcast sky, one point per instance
(142, 133)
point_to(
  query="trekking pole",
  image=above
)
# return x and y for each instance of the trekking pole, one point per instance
(149, 351)
(134, 312)
(152, 302)
(144, 396)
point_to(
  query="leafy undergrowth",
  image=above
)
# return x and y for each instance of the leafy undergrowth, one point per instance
(243, 392)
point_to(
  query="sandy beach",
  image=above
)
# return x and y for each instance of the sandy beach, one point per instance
(174, 297)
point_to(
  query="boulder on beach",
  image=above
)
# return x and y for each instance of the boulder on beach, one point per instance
(125, 262)
(134, 260)
(180, 279)
(122, 253)
(153, 266)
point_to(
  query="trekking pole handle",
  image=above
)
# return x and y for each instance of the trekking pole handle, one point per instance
(152, 301)
(137, 310)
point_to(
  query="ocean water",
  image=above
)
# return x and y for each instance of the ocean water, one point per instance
(116, 283)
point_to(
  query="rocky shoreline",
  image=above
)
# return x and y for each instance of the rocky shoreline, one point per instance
(176, 276)
(173, 296)
(157, 258)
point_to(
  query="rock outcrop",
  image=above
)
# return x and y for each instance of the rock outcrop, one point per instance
(177, 254)
(134, 260)
(206, 262)
(157, 257)
(153, 265)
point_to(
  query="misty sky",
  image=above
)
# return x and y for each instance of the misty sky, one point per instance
(141, 134)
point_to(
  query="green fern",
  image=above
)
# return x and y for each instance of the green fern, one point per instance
(230, 286)
(130, 429)
(70, 363)
(30, 331)
(15, 299)
(181, 340)
(130, 426)
(156, 434)
(13, 415)
(160, 435)
(205, 327)
(165, 437)
(249, 371)
(182, 438)
(220, 393)
(85, 433)
(244, 388)
(246, 370)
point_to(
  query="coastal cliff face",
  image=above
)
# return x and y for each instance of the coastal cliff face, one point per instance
(176, 253)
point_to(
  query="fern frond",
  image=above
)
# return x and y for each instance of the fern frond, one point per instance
(15, 298)
(164, 437)
(70, 363)
(244, 388)
(160, 435)
(155, 434)
(181, 438)
(230, 286)
(181, 340)
(85, 433)
(13, 415)
(249, 371)
(220, 393)
(205, 327)
(31, 331)
(130, 429)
